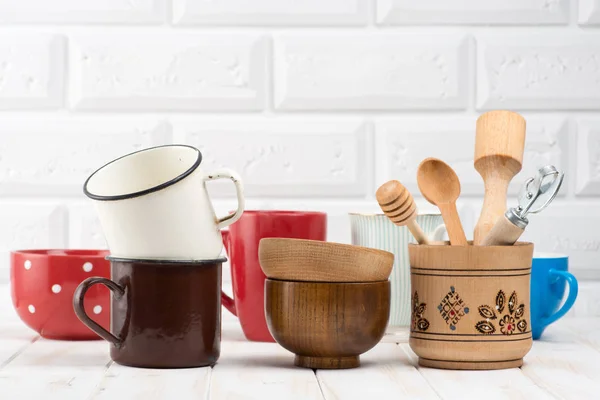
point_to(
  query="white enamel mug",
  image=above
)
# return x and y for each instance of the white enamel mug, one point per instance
(153, 204)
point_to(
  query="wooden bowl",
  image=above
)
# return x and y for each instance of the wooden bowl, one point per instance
(316, 261)
(327, 325)
(470, 305)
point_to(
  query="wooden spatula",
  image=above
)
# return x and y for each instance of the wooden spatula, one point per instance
(399, 206)
(499, 146)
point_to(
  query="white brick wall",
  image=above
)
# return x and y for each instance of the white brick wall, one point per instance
(473, 12)
(539, 71)
(314, 102)
(286, 156)
(167, 71)
(83, 11)
(270, 12)
(32, 71)
(53, 156)
(589, 12)
(588, 157)
(371, 71)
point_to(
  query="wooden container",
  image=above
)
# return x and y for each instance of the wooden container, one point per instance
(470, 305)
(305, 260)
(327, 325)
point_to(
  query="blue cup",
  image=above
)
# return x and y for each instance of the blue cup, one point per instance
(549, 276)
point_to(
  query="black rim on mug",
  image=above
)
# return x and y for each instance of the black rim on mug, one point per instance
(156, 188)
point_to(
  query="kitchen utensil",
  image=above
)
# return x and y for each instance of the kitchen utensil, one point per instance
(440, 186)
(549, 276)
(165, 314)
(537, 193)
(378, 232)
(399, 206)
(153, 204)
(327, 325)
(470, 305)
(42, 286)
(248, 280)
(316, 261)
(499, 145)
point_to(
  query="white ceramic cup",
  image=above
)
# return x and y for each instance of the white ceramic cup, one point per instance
(377, 231)
(153, 204)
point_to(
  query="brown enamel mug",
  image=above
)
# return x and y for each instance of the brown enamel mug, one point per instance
(164, 314)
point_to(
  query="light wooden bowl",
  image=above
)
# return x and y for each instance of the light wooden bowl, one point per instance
(327, 325)
(317, 261)
(470, 305)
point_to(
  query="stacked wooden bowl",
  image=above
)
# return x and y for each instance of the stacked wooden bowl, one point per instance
(325, 302)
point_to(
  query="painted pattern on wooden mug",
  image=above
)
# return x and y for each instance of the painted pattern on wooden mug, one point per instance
(452, 308)
(509, 322)
(418, 322)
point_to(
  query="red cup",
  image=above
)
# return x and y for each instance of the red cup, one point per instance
(42, 286)
(248, 279)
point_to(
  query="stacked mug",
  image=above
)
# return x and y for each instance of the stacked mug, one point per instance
(165, 252)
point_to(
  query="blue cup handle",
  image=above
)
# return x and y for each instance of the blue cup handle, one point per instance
(573, 290)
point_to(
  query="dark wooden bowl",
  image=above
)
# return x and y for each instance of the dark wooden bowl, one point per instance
(327, 325)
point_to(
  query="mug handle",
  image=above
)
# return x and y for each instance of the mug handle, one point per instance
(573, 290)
(78, 297)
(239, 189)
(228, 302)
(439, 232)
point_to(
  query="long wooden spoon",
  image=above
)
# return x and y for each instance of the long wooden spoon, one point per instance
(440, 186)
(399, 206)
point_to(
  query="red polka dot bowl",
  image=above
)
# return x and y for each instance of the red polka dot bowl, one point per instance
(42, 286)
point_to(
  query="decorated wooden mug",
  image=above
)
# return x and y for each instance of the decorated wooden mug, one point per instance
(153, 204)
(470, 305)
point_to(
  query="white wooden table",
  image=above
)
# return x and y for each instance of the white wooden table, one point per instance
(564, 365)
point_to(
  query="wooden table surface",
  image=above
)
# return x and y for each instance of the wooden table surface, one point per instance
(564, 365)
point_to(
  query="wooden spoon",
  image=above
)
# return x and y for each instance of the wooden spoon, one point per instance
(398, 205)
(499, 146)
(440, 186)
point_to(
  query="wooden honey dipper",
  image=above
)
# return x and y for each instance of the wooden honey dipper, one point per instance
(398, 205)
